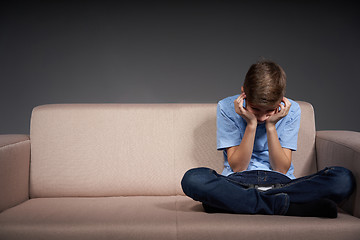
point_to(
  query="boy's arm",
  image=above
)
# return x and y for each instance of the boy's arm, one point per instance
(239, 156)
(280, 158)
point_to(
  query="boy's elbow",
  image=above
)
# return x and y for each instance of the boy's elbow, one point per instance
(237, 167)
(283, 169)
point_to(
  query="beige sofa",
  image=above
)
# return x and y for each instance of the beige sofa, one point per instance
(113, 171)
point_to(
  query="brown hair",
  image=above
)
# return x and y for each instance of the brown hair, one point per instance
(265, 83)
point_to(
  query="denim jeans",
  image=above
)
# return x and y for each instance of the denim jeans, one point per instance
(239, 192)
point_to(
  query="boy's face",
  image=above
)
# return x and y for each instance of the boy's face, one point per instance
(262, 113)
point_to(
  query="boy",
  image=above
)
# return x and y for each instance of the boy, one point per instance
(257, 131)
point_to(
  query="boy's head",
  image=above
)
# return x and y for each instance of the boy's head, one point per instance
(265, 84)
(264, 87)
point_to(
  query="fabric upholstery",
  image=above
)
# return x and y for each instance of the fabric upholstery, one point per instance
(119, 149)
(158, 217)
(341, 148)
(113, 171)
(131, 149)
(90, 218)
(304, 158)
(194, 223)
(9, 139)
(14, 170)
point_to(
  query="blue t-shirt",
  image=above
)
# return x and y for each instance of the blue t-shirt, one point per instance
(231, 128)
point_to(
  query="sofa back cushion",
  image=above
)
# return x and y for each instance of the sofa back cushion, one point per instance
(129, 149)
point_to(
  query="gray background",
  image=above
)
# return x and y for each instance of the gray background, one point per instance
(175, 52)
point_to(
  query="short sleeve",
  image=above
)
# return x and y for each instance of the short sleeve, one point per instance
(289, 134)
(228, 134)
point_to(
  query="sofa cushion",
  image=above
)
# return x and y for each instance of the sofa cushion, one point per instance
(90, 218)
(158, 217)
(194, 223)
(304, 158)
(99, 150)
(119, 149)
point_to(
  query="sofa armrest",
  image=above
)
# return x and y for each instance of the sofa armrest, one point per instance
(341, 148)
(14, 170)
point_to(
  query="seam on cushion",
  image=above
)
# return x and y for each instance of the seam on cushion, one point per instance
(340, 144)
(173, 155)
(12, 144)
(176, 218)
(174, 174)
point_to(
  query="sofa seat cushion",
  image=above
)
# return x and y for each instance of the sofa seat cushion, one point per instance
(192, 218)
(158, 217)
(90, 218)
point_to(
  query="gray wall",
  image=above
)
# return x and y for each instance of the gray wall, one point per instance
(175, 52)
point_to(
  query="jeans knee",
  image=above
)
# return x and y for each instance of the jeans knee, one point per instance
(187, 179)
(194, 180)
(344, 181)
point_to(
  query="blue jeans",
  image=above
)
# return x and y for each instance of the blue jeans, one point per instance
(239, 192)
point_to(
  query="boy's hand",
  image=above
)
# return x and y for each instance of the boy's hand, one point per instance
(279, 114)
(249, 117)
